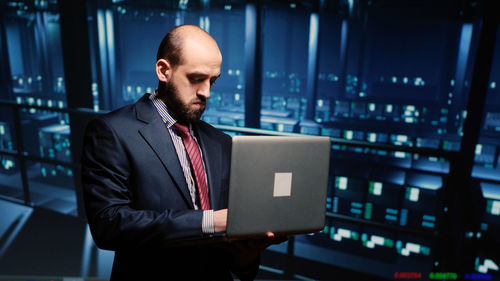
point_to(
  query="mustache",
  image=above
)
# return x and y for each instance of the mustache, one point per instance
(200, 99)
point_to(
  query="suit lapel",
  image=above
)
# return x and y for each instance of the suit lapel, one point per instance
(212, 159)
(156, 135)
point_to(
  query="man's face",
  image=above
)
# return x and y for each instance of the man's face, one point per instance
(185, 111)
(188, 88)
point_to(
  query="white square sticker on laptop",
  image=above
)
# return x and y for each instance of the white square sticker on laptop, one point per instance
(282, 184)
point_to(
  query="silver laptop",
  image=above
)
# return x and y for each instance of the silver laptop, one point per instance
(277, 184)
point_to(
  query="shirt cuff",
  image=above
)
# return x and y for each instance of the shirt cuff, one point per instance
(207, 223)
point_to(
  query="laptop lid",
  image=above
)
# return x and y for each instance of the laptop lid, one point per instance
(277, 184)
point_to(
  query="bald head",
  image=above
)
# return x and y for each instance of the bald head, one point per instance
(189, 62)
(182, 37)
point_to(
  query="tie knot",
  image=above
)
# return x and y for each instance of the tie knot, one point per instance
(182, 129)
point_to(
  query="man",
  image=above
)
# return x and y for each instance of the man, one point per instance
(153, 172)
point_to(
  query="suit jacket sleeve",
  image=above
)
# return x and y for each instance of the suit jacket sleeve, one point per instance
(114, 220)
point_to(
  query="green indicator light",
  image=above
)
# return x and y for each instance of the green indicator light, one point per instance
(389, 243)
(355, 235)
(368, 211)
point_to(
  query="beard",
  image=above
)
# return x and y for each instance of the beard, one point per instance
(181, 111)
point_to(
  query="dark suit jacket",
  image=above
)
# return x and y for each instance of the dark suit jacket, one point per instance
(137, 199)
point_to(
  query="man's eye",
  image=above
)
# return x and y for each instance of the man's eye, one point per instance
(195, 80)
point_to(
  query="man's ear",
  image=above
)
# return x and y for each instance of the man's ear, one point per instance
(163, 70)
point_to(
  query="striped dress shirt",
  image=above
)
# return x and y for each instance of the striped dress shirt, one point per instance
(207, 225)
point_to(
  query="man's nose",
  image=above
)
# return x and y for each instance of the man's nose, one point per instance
(204, 90)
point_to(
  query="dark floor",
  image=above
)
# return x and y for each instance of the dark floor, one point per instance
(38, 244)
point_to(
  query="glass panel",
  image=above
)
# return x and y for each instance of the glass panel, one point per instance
(385, 74)
(35, 52)
(331, 30)
(10, 175)
(487, 169)
(487, 151)
(35, 57)
(398, 79)
(46, 134)
(119, 24)
(284, 66)
(10, 178)
(52, 186)
(8, 138)
(227, 102)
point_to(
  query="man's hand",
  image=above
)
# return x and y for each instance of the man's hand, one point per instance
(220, 220)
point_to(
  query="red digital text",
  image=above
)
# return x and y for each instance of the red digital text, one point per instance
(407, 275)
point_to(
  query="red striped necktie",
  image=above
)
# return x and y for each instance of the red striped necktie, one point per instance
(194, 154)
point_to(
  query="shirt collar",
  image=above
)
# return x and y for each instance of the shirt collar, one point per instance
(164, 112)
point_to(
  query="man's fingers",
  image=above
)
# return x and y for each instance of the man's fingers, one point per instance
(270, 235)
